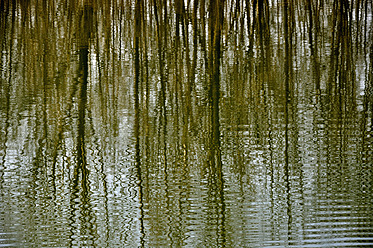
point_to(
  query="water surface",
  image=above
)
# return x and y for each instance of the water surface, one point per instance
(186, 123)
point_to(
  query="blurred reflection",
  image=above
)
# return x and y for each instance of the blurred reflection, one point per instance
(215, 170)
(137, 44)
(81, 196)
(186, 123)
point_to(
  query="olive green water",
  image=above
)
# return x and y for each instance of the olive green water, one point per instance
(186, 123)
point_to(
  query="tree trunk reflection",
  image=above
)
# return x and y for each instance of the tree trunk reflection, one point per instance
(216, 171)
(80, 184)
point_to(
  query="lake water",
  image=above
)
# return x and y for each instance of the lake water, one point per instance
(141, 123)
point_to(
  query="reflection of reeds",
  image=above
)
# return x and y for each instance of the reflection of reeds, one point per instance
(137, 77)
(81, 189)
(198, 76)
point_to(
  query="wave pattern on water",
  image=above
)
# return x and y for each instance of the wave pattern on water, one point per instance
(186, 123)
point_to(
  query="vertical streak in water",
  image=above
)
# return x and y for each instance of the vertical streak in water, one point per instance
(249, 31)
(81, 171)
(215, 27)
(288, 47)
(145, 72)
(7, 86)
(178, 67)
(191, 76)
(43, 141)
(202, 14)
(367, 127)
(162, 47)
(161, 25)
(177, 89)
(100, 154)
(161, 32)
(137, 115)
(313, 45)
(145, 105)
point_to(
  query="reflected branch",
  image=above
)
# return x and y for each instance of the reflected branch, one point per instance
(80, 181)
(137, 39)
(215, 163)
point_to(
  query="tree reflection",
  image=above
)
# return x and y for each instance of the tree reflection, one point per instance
(185, 123)
(80, 184)
(215, 177)
(137, 45)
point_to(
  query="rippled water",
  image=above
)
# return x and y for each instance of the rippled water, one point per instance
(186, 124)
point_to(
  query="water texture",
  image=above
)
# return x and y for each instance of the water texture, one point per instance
(161, 123)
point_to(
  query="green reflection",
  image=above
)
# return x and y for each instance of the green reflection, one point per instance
(82, 219)
(159, 123)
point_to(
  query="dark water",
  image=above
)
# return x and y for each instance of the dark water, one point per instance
(186, 123)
